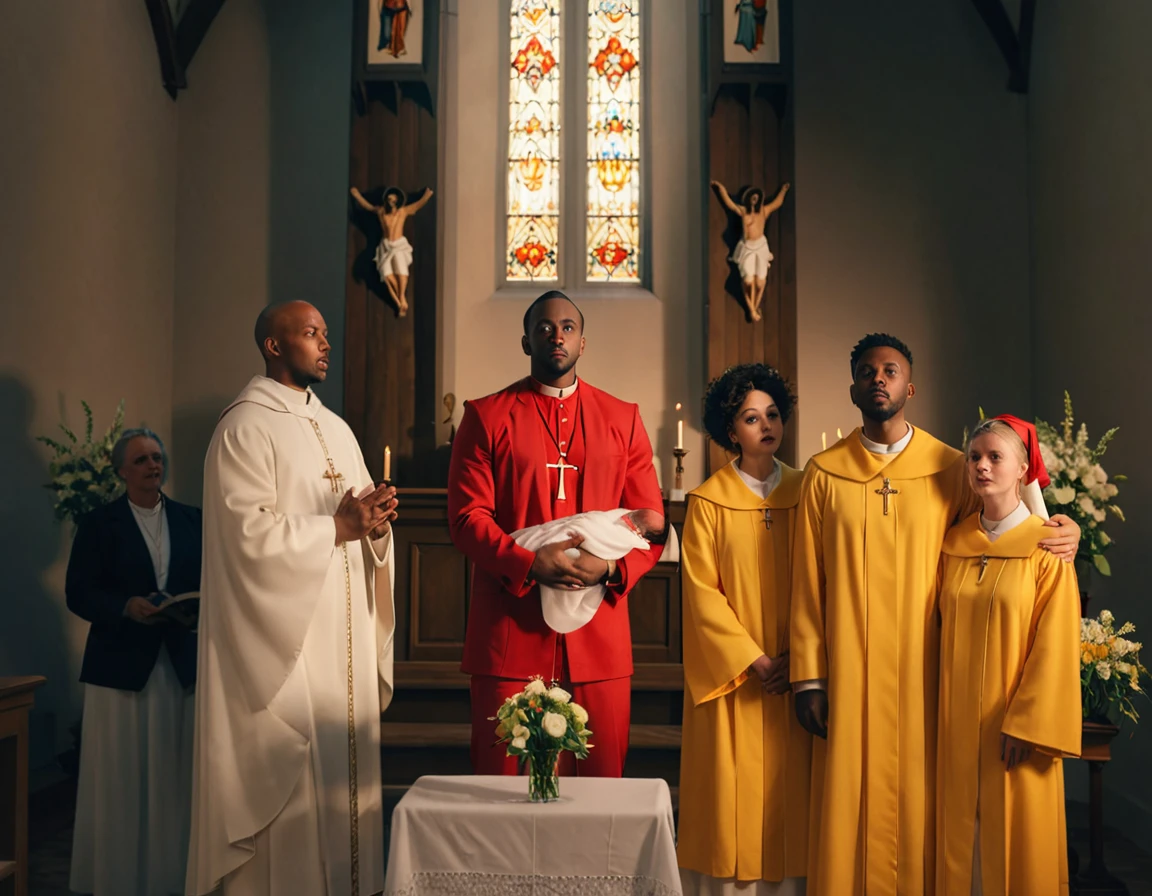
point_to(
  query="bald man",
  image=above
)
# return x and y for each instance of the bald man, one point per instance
(296, 625)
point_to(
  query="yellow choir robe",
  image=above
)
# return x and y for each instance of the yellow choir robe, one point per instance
(1009, 662)
(745, 766)
(864, 618)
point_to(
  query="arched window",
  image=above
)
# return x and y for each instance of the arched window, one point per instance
(573, 187)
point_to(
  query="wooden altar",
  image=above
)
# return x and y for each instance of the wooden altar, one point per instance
(426, 729)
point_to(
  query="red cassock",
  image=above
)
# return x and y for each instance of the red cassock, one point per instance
(503, 477)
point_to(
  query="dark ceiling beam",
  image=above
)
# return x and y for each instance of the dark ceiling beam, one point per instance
(1016, 49)
(171, 69)
(194, 24)
(1018, 81)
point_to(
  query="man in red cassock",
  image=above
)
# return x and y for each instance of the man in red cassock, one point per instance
(546, 447)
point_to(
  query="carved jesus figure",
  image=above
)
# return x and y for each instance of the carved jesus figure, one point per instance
(394, 254)
(752, 256)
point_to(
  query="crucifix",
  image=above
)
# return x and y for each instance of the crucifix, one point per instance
(561, 466)
(886, 491)
(333, 477)
(767, 518)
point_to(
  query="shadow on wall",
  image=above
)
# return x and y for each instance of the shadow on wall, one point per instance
(33, 621)
(192, 428)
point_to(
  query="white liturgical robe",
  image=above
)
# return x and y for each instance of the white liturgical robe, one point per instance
(295, 657)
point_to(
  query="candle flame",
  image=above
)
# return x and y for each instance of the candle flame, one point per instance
(678, 405)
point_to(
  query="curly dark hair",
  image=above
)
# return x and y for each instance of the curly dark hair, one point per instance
(727, 392)
(874, 340)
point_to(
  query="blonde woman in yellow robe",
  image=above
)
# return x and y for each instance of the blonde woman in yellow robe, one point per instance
(1009, 683)
(745, 761)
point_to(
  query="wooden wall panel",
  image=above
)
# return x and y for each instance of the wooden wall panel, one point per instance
(746, 134)
(749, 141)
(390, 361)
(433, 582)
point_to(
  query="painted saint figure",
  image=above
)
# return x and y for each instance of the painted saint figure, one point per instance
(394, 16)
(752, 256)
(394, 254)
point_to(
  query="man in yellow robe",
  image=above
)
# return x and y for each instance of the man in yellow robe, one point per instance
(873, 513)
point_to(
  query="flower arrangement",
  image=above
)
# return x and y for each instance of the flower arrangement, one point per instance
(82, 474)
(1110, 669)
(1080, 487)
(537, 724)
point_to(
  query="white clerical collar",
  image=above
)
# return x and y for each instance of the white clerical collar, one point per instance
(552, 391)
(761, 487)
(289, 395)
(894, 448)
(995, 529)
(147, 511)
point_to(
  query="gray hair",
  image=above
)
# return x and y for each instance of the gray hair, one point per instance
(120, 449)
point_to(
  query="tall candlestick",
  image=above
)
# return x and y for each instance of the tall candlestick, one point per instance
(679, 429)
(823, 441)
(387, 463)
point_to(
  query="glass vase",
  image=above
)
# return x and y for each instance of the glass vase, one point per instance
(543, 781)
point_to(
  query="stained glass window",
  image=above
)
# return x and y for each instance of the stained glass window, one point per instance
(533, 194)
(612, 224)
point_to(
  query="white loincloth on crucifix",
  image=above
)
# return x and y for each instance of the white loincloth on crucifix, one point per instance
(608, 534)
(295, 660)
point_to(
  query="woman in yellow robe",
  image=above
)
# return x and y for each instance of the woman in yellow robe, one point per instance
(1009, 684)
(745, 764)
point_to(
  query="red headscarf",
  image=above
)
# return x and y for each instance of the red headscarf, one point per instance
(1027, 433)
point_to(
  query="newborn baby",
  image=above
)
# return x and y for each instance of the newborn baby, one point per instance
(609, 535)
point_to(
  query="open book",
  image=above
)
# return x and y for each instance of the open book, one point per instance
(183, 609)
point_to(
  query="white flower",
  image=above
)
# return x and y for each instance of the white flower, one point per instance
(1104, 669)
(1124, 668)
(519, 743)
(520, 732)
(1111, 491)
(1098, 516)
(1086, 505)
(1063, 494)
(554, 724)
(579, 713)
(559, 695)
(1096, 630)
(1106, 617)
(1089, 478)
(535, 687)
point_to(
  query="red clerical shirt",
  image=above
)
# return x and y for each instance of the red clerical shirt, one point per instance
(504, 476)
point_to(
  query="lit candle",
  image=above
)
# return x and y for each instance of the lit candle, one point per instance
(839, 434)
(823, 441)
(679, 430)
(387, 463)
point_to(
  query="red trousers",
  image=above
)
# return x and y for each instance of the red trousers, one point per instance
(609, 705)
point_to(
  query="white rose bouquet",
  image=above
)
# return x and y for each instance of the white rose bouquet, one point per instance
(537, 724)
(1080, 488)
(82, 474)
(1110, 669)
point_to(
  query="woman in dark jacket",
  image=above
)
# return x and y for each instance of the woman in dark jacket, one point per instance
(134, 800)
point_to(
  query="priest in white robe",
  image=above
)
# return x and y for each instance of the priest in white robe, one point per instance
(296, 637)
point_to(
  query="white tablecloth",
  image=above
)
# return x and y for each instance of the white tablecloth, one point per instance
(479, 835)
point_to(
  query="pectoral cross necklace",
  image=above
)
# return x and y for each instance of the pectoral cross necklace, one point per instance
(767, 519)
(886, 491)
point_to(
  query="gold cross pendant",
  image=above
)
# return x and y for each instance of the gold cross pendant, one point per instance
(767, 519)
(886, 491)
(334, 477)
